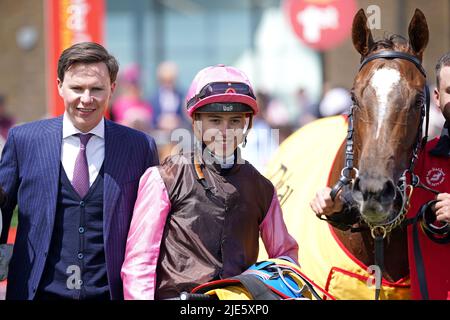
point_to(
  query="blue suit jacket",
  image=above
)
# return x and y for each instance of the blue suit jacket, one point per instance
(29, 174)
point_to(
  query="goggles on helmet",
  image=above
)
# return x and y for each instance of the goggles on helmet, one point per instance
(216, 88)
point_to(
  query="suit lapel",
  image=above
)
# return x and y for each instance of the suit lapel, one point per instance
(115, 157)
(52, 165)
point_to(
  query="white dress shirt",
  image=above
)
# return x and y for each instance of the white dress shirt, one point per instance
(95, 149)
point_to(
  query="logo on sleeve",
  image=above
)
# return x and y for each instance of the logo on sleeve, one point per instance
(435, 177)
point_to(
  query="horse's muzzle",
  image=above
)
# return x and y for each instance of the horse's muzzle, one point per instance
(375, 196)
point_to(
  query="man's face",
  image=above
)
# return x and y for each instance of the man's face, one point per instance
(222, 132)
(442, 94)
(86, 91)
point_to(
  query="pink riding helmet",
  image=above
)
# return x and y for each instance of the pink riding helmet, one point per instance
(218, 84)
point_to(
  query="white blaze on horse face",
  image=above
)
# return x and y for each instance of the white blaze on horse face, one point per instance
(383, 82)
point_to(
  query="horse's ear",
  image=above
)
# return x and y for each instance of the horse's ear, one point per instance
(361, 35)
(418, 32)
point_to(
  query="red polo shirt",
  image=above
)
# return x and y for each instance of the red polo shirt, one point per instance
(433, 169)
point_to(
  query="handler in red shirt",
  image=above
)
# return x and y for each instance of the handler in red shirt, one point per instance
(433, 168)
(429, 254)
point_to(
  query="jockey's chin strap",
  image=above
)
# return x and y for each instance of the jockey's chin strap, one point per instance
(379, 232)
(198, 164)
(250, 124)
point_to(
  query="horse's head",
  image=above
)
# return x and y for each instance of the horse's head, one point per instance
(388, 95)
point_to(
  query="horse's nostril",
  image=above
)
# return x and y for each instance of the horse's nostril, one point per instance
(388, 192)
(382, 192)
(357, 193)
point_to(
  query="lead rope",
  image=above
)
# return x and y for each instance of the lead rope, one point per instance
(379, 261)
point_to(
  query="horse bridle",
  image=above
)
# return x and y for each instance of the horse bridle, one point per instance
(403, 187)
(379, 231)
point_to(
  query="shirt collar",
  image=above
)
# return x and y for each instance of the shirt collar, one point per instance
(442, 148)
(70, 130)
(208, 160)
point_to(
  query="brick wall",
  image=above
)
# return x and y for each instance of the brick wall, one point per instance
(22, 72)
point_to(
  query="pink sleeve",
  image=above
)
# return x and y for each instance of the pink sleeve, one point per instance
(276, 238)
(144, 237)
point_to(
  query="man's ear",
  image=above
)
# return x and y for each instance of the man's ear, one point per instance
(113, 86)
(59, 83)
(436, 98)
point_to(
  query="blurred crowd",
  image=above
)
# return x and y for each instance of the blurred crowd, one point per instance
(163, 111)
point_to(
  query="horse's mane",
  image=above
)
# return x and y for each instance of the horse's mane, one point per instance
(393, 42)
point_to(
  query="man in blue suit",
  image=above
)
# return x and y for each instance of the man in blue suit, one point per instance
(75, 180)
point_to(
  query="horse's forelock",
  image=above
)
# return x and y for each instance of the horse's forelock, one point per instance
(391, 42)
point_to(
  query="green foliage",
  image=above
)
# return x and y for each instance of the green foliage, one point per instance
(15, 218)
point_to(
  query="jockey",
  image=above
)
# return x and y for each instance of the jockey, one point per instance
(198, 216)
(429, 250)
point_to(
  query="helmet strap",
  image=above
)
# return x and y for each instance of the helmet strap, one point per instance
(250, 123)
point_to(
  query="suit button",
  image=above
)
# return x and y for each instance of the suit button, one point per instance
(81, 203)
(80, 282)
(81, 230)
(80, 256)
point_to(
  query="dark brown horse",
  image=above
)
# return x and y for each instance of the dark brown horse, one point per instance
(388, 112)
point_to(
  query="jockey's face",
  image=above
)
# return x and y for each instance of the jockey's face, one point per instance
(222, 132)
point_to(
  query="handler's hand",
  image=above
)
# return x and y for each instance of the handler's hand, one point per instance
(322, 203)
(442, 207)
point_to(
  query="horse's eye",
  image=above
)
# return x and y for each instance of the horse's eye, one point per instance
(354, 100)
(420, 100)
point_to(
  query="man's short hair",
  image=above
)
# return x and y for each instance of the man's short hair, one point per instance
(443, 61)
(87, 52)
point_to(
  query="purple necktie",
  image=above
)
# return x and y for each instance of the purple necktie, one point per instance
(80, 179)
